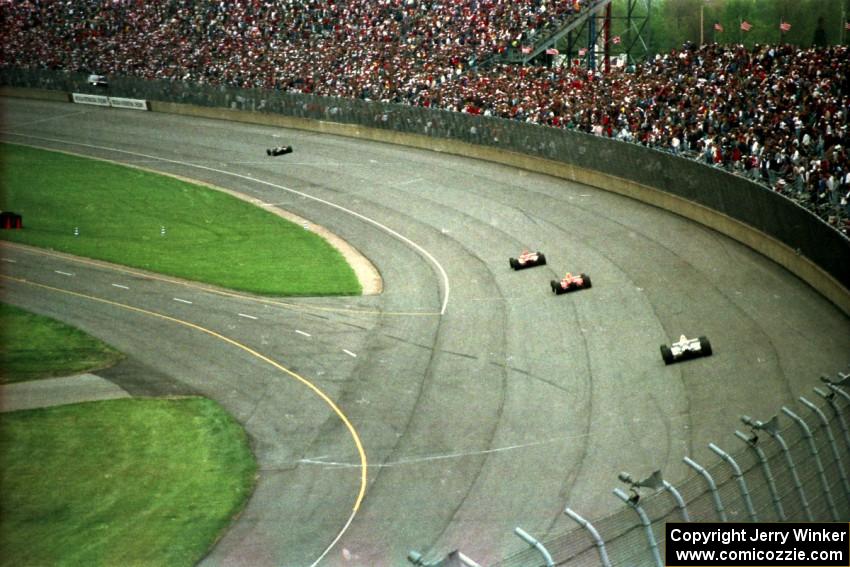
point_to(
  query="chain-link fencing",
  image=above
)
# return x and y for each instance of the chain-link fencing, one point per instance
(792, 469)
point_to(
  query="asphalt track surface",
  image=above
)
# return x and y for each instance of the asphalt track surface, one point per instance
(509, 406)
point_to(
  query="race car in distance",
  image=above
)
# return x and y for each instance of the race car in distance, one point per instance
(97, 81)
(279, 150)
(528, 260)
(571, 283)
(685, 349)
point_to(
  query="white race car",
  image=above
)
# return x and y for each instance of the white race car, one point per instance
(685, 349)
(97, 80)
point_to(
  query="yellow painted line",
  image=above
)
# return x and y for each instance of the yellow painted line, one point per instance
(352, 431)
(225, 293)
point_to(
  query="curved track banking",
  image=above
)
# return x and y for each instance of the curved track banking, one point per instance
(500, 412)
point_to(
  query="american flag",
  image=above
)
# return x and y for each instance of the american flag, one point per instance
(615, 40)
(746, 26)
(785, 26)
(552, 51)
(718, 27)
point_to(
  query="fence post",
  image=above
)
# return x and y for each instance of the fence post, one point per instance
(765, 466)
(718, 504)
(656, 482)
(416, 558)
(453, 558)
(644, 519)
(807, 433)
(600, 543)
(830, 399)
(833, 445)
(680, 502)
(834, 387)
(535, 544)
(739, 478)
(773, 431)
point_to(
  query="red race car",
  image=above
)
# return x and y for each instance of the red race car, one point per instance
(570, 283)
(528, 260)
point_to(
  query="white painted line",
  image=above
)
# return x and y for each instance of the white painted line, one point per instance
(349, 353)
(303, 333)
(428, 458)
(48, 119)
(63, 273)
(443, 275)
(119, 285)
(10, 260)
(247, 316)
(186, 301)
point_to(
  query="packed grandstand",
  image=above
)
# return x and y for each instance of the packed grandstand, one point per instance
(777, 114)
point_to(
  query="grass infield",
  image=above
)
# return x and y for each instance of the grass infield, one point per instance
(158, 223)
(120, 482)
(32, 347)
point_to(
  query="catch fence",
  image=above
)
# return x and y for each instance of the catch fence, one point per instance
(792, 468)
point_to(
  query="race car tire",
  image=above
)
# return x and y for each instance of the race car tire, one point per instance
(513, 263)
(705, 346)
(556, 287)
(268, 152)
(666, 354)
(541, 259)
(586, 279)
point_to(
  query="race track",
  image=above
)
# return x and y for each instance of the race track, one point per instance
(483, 402)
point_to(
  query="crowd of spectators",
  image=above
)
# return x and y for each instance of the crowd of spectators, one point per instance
(354, 48)
(777, 114)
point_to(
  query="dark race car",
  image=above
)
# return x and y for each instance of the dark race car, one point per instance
(685, 349)
(570, 283)
(279, 150)
(528, 260)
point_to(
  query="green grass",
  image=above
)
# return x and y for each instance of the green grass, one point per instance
(32, 347)
(210, 236)
(121, 482)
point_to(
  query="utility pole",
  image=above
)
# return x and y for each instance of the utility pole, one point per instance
(701, 25)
